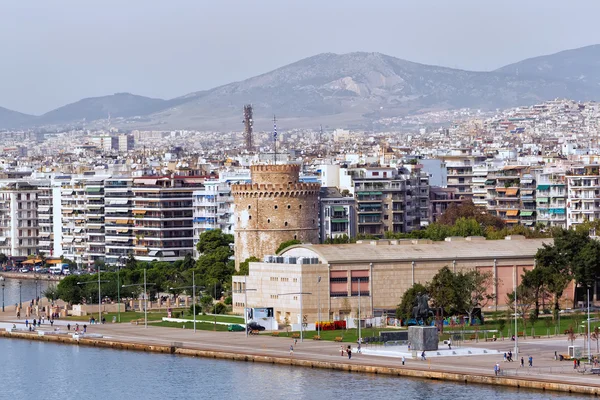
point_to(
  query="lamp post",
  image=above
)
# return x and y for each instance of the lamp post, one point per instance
(193, 295)
(3, 284)
(516, 321)
(588, 326)
(359, 310)
(215, 306)
(145, 284)
(119, 263)
(319, 306)
(246, 290)
(301, 310)
(99, 295)
(20, 300)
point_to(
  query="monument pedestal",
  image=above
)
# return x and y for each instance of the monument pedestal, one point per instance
(423, 338)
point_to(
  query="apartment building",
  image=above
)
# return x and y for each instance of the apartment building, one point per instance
(551, 199)
(118, 220)
(19, 220)
(337, 214)
(45, 211)
(389, 200)
(94, 220)
(459, 165)
(583, 195)
(163, 223)
(511, 195)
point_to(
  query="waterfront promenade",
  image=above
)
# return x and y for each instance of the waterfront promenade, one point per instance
(546, 373)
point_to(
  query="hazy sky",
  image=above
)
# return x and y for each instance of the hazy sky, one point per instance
(57, 52)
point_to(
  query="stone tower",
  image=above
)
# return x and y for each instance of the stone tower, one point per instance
(272, 209)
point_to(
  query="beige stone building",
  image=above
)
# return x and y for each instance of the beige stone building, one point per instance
(383, 269)
(274, 208)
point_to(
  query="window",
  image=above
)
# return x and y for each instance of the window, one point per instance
(376, 173)
(249, 207)
(285, 223)
(289, 206)
(268, 221)
(275, 207)
(300, 206)
(249, 217)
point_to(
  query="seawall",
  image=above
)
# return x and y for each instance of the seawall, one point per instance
(525, 383)
(31, 276)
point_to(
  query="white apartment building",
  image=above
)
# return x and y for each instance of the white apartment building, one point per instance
(583, 196)
(118, 219)
(18, 220)
(551, 199)
(213, 205)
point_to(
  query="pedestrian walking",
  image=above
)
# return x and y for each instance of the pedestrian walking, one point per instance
(68, 327)
(84, 328)
(403, 360)
(26, 323)
(496, 369)
(510, 356)
(291, 350)
(505, 358)
(423, 358)
(530, 361)
(349, 351)
(358, 347)
(449, 344)
(522, 362)
(555, 356)
(408, 346)
(342, 347)
(574, 363)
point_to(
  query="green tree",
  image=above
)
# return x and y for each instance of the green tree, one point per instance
(245, 266)
(536, 280)
(472, 288)
(404, 310)
(214, 267)
(51, 293)
(3, 259)
(69, 291)
(210, 241)
(442, 291)
(525, 302)
(287, 244)
(467, 209)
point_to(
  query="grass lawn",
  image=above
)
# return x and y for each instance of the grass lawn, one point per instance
(203, 326)
(348, 335)
(230, 319)
(125, 316)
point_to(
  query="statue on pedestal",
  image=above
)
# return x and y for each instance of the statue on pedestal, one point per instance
(421, 309)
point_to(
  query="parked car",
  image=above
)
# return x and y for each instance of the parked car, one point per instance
(24, 270)
(255, 326)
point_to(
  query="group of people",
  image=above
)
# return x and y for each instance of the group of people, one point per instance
(31, 325)
(508, 357)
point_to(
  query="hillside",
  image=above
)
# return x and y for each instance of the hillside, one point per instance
(13, 119)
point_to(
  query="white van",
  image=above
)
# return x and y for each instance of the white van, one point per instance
(56, 269)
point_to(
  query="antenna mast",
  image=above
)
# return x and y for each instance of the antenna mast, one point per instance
(275, 137)
(248, 124)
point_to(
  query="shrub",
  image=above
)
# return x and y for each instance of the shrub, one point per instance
(228, 300)
(220, 308)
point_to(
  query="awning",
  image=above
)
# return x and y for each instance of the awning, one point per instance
(44, 209)
(500, 189)
(512, 213)
(490, 182)
(139, 212)
(193, 180)
(526, 180)
(78, 240)
(52, 262)
(119, 239)
(122, 221)
(339, 220)
(153, 253)
(526, 192)
(44, 234)
(67, 211)
(145, 181)
(120, 201)
(512, 191)
(93, 189)
(66, 192)
(339, 208)
(77, 230)
(542, 199)
(2, 239)
(526, 213)
(122, 230)
(168, 254)
(31, 262)
(543, 187)
(512, 221)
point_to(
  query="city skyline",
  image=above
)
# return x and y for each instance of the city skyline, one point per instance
(162, 52)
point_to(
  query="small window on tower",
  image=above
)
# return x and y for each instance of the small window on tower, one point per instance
(249, 207)
(268, 221)
(275, 207)
(285, 223)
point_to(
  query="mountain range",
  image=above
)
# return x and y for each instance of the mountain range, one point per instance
(341, 90)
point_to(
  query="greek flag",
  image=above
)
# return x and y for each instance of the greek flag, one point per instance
(274, 130)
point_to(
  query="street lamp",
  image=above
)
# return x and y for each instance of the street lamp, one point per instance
(301, 310)
(215, 306)
(319, 307)
(20, 300)
(99, 295)
(193, 295)
(246, 304)
(359, 311)
(3, 284)
(119, 263)
(588, 326)
(145, 284)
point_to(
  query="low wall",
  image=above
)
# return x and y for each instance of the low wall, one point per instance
(527, 383)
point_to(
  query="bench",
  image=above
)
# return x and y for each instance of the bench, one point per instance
(473, 337)
(316, 337)
(274, 333)
(595, 371)
(339, 338)
(490, 339)
(254, 332)
(536, 337)
(295, 336)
